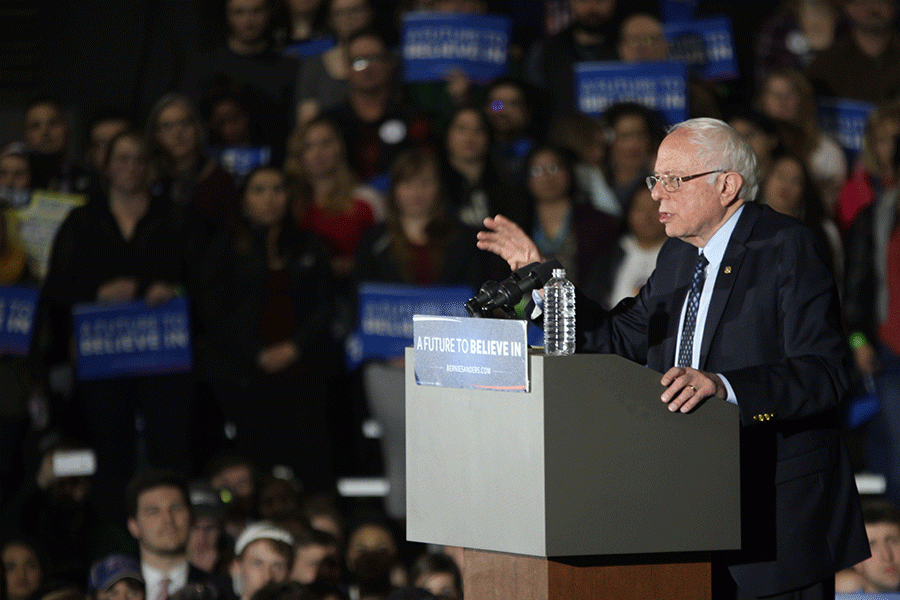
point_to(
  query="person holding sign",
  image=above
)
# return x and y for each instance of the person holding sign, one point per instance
(551, 61)
(418, 244)
(767, 336)
(322, 79)
(121, 246)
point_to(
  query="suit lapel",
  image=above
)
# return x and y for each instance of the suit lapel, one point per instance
(728, 271)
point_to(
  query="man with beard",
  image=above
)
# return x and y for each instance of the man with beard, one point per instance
(591, 37)
(159, 518)
(47, 135)
(249, 59)
(864, 63)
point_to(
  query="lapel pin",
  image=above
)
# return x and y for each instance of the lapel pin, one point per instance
(727, 270)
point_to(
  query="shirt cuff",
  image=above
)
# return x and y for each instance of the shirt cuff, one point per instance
(538, 304)
(731, 397)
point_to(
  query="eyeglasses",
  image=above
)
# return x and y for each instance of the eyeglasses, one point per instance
(361, 63)
(541, 170)
(673, 184)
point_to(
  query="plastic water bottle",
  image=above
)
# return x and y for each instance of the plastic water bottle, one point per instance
(559, 314)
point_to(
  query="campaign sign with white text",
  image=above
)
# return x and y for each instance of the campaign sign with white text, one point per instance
(18, 305)
(432, 44)
(465, 352)
(38, 222)
(658, 85)
(131, 338)
(845, 121)
(386, 317)
(706, 46)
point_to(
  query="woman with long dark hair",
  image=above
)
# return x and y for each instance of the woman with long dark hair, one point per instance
(572, 231)
(418, 244)
(476, 185)
(266, 304)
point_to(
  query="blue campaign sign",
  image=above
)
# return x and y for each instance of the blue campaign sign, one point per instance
(705, 45)
(240, 160)
(386, 317)
(465, 352)
(18, 305)
(677, 10)
(658, 85)
(845, 121)
(131, 338)
(432, 44)
(309, 48)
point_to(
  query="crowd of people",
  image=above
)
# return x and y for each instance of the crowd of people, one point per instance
(292, 164)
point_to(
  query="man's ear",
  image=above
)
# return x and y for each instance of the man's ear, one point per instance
(730, 186)
(133, 528)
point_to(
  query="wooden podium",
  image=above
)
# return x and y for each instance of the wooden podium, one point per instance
(584, 487)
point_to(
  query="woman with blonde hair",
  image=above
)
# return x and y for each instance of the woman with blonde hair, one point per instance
(787, 97)
(874, 171)
(328, 197)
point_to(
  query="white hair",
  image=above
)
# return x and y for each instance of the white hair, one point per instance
(721, 147)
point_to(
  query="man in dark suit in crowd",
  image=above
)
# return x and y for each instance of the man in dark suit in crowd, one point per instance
(741, 308)
(159, 518)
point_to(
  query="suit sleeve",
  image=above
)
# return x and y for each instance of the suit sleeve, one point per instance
(622, 330)
(804, 368)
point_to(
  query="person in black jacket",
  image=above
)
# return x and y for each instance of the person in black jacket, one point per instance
(124, 244)
(871, 312)
(267, 298)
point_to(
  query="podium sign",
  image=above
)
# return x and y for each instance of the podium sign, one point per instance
(464, 352)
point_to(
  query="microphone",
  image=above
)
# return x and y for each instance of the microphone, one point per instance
(510, 291)
(484, 295)
(477, 306)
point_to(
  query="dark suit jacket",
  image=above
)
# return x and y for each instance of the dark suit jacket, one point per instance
(773, 330)
(221, 583)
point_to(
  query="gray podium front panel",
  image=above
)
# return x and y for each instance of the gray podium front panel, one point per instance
(589, 462)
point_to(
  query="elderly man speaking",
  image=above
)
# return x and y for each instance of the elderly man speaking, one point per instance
(741, 308)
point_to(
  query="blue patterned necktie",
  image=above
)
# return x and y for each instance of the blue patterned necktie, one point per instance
(686, 350)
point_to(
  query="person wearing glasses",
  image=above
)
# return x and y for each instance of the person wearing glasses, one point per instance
(741, 308)
(563, 222)
(377, 122)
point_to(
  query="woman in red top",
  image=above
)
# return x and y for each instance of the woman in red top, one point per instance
(330, 201)
(874, 172)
